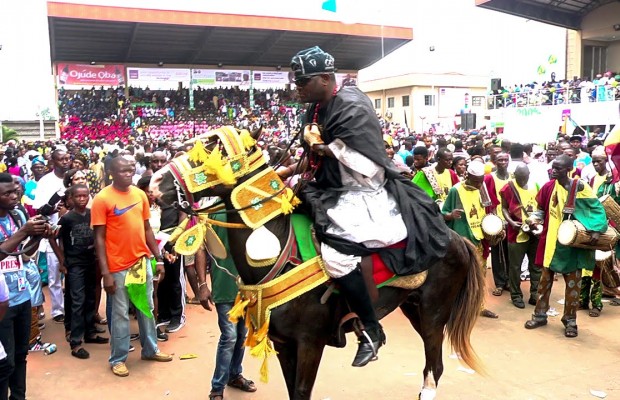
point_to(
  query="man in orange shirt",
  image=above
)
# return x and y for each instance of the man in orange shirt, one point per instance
(123, 241)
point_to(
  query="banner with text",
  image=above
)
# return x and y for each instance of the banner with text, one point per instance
(161, 76)
(343, 80)
(215, 77)
(90, 75)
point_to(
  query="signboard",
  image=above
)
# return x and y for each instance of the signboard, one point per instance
(142, 76)
(212, 77)
(90, 75)
(272, 77)
(344, 80)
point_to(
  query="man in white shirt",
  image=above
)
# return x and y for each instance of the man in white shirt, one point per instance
(45, 201)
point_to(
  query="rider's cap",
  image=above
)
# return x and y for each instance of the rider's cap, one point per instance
(312, 61)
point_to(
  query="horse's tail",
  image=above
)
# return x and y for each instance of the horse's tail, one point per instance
(466, 308)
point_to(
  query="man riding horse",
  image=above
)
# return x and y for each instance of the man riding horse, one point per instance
(359, 203)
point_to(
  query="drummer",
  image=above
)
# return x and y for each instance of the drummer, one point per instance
(555, 257)
(591, 286)
(463, 212)
(494, 182)
(437, 180)
(518, 202)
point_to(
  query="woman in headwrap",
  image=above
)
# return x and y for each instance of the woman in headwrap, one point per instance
(80, 162)
(38, 170)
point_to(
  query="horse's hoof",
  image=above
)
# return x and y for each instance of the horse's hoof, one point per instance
(427, 394)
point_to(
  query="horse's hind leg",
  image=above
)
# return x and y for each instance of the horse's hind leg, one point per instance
(308, 359)
(432, 336)
(287, 356)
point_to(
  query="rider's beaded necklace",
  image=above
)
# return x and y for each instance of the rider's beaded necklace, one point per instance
(315, 159)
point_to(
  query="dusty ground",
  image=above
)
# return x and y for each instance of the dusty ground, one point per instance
(521, 364)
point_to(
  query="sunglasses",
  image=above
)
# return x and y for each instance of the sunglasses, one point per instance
(304, 80)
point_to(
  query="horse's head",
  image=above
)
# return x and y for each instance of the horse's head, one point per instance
(211, 168)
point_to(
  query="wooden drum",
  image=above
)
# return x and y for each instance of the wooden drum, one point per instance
(493, 229)
(612, 209)
(610, 276)
(572, 233)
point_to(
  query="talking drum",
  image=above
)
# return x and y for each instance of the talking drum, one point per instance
(612, 209)
(603, 258)
(573, 234)
(493, 229)
(610, 275)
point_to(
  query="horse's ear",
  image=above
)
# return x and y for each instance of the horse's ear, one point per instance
(256, 134)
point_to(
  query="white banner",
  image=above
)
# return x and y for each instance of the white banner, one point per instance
(139, 76)
(343, 80)
(215, 77)
(272, 77)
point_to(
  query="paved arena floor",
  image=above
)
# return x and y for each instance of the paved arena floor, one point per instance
(521, 364)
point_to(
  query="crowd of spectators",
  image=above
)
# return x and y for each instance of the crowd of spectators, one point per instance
(107, 114)
(604, 87)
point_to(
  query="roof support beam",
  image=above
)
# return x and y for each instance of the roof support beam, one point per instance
(132, 39)
(332, 44)
(536, 12)
(201, 44)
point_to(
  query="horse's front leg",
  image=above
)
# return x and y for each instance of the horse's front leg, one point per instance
(287, 355)
(309, 355)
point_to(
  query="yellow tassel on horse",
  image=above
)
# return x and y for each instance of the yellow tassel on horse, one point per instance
(247, 139)
(216, 165)
(198, 153)
(238, 309)
(264, 349)
(288, 201)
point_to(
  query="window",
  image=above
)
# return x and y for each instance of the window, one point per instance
(377, 103)
(390, 102)
(476, 101)
(405, 101)
(429, 100)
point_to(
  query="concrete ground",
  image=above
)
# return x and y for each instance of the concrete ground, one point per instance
(521, 364)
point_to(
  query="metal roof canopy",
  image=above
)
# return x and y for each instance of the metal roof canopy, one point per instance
(565, 13)
(109, 34)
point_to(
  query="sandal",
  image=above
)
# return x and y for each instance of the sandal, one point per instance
(99, 320)
(498, 291)
(595, 312)
(241, 383)
(488, 314)
(570, 331)
(216, 396)
(614, 302)
(80, 353)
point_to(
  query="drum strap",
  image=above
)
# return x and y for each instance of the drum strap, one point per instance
(432, 180)
(485, 199)
(516, 194)
(569, 207)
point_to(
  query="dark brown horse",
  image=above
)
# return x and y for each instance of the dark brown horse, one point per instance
(448, 302)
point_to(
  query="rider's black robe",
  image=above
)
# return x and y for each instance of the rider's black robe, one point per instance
(350, 117)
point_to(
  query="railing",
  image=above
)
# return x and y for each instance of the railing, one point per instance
(554, 96)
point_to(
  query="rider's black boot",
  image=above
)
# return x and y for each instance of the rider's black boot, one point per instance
(354, 289)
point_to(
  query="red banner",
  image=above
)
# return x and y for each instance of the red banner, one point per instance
(90, 75)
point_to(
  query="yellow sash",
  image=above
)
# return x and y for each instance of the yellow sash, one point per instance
(472, 206)
(556, 206)
(598, 181)
(445, 182)
(499, 184)
(528, 201)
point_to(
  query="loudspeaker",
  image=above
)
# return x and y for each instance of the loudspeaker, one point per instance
(496, 84)
(468, 121)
